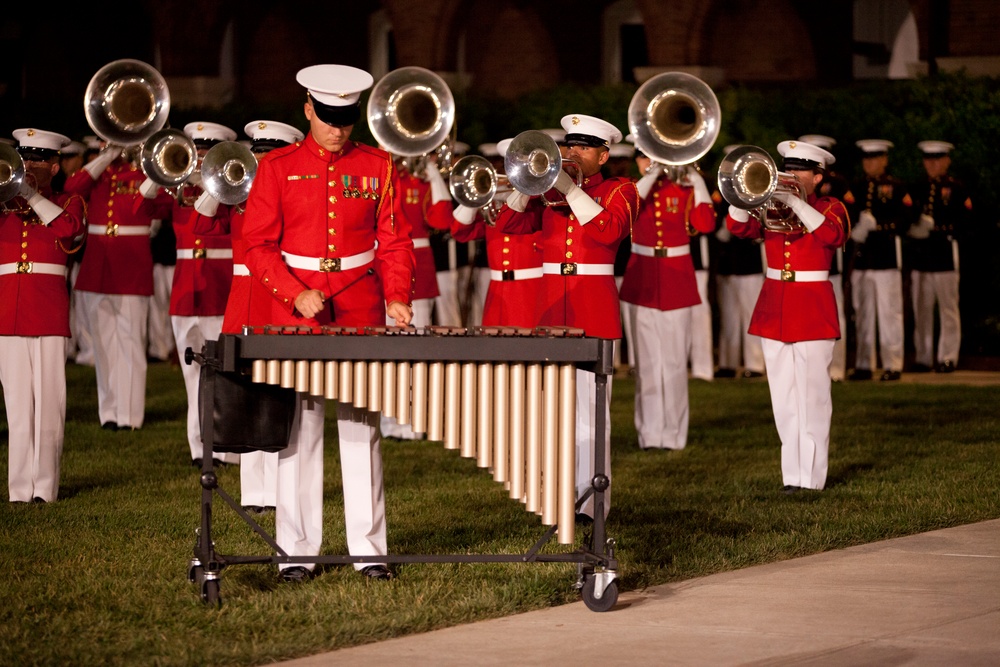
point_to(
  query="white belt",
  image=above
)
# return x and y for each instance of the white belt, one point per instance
(329, 264)
(116, 230)
(204, 253)
(666, 251)
(240, 270)
(516, 274)
(33, 267)
(421, 243)
(797, 276)
(571, 269)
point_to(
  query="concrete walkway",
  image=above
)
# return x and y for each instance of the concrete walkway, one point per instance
(927, 599)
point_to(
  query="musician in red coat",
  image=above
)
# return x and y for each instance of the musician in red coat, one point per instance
(115, 283)
(661, 289)
(515, 262)
(579, 241)
(426, 203)
(321, 213)
(202, 276)
(248, 301)
(38, 230)
(796, 315)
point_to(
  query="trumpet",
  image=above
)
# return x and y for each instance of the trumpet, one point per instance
(674, 118)
(748, 179)
(533, 162)
(475, 183)
(11, 173)
(227, 172)
(168, 157)
(411, 113)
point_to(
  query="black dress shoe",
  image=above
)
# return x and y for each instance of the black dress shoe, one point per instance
(253, 509)
(920, 368)
(749, 375)
(725, 373)
(269, 508)
(377, 572)
(584, 519)
(788, 489)
(889, 376)
(945, 367)
(39, 501)
(296, 574)
(109, 426)
(196, 463)
(860, 374)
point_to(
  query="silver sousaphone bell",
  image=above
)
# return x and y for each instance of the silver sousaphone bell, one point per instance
(126, 101)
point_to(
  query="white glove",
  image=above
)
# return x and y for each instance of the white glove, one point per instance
(866, 223)
(701, 195)
(517, 201)
(464, 215)
(155, 225)
(809, 216)
(439, 189)
(564, 183)
(206, 204)
(103, 160)
(583, 205)
(922, 229)
(738, 214)
(46, 210)
(149, 188)
(867, 219)
(645, 184)
(723, 235)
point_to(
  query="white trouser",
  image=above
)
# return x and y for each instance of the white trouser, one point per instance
(798, 376)
(191, 331)
(481, 280)
(117, 323)
(447, 307)
(878, 297)
(737, 298)
(838, 369)
(422, 310)
(702, 364)
(586, 440)
(928, 288)
(33, 375)
(299, 510)
(83, 340)
(662, 338)
(259, 479)
(161, 335)
(628, 317)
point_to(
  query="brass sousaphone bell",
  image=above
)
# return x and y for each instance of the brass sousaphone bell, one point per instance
(227, 172)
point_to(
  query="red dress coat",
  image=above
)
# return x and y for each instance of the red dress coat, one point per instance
(35, 301)
(588, 302)
(117, 259)
(792, 311)
(665, 281)
(319, 205)
(423, 216)
(204, 270)
(248, 302)
(511, 301)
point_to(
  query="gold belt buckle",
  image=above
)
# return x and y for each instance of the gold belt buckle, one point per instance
(24, 267)
(787, 275)
(112, 230)
(660, 252)
(329, 265)
(199, 253)
(567, 269)
(507, 274)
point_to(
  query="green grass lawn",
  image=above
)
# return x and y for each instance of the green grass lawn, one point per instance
(100, 577)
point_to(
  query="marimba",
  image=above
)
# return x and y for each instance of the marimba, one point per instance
(505, 397)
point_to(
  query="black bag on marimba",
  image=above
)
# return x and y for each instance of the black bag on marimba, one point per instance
(247, 416)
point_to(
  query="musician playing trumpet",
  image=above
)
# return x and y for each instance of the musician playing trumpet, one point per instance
(796, 313)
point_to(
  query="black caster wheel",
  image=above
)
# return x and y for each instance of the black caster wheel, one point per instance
(210, 592)
(607, 600)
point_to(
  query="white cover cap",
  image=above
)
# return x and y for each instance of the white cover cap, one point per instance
(488, 150)
(503, 145)
(874, 146)
(334, 85)
(29, 137)
(209, 132)
(270, 129)
(806, 153)
(590, 126)
(820, 140)
(935, 147)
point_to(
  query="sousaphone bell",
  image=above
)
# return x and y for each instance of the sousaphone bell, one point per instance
(411, 111)
(11, 172)
(126, 102)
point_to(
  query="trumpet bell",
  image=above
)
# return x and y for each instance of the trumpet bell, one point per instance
(747, 177)
(11, 172)
(168, 157)
(411, 111)
(533, 162)
(473, 181)
(126, 102)
(227, 172)
(674, 118)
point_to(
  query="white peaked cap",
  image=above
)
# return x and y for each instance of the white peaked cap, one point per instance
(820, 140)
(335, 85)
(935, 147)
(209, 132)
(875, 146)
(270, 129)
(592, 127)
(30, 137)
(800, 150)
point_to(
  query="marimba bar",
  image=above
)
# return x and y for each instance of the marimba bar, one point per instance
(505, 397)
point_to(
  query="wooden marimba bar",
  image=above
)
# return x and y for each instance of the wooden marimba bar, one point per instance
(503, 396)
